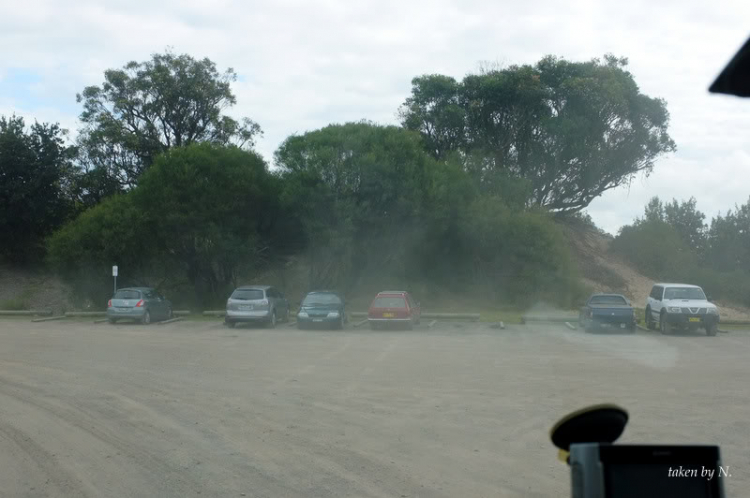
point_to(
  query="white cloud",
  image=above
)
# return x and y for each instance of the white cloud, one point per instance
(307, 64)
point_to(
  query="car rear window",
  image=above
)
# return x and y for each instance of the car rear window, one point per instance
(127, 294)
(247, 294)
(389, 302)
(321, 298)
(608, 300)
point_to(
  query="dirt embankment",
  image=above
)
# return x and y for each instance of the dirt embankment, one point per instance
(24, 289)
(604, 271)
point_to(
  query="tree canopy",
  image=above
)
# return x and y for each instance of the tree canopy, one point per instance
(460, 194)
(729, 240)
(359, 184)
(572, 130)
(146, 108)
(36, 183)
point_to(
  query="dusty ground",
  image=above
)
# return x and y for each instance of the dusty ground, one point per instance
(194, 409)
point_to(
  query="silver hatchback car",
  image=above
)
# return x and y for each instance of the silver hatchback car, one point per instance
(257, 304)
(142, 304)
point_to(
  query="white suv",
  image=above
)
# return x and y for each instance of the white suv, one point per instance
(680, 305)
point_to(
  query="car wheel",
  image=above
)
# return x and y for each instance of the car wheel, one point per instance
(631, 329)
(340, 324)
(650, 319)
(663, 325)
(272, 321)
(711, 331)
(170, 314)
(112, 320)
(229, 324)
(146, 318)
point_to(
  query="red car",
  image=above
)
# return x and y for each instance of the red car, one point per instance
(393, 308)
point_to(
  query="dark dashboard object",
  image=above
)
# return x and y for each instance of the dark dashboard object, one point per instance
(734, 79)
(601, 469)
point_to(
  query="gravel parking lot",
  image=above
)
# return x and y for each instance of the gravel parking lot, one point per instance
(196, 409)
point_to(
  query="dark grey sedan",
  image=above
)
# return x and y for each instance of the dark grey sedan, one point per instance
(142, 304)
(322, 309)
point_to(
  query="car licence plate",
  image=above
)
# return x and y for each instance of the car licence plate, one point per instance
(246, 308)
(317, 319)
(694, 319)
(387, 315)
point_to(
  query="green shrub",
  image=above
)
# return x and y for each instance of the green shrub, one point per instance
(519, 256)
(655, 249)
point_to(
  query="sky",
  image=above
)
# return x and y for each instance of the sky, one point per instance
(305, 64)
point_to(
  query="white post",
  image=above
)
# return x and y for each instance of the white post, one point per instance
(114, 274)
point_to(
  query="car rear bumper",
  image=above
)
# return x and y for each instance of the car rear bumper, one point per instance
(131, 313)
(389, 320)
(627, 323)
(322, 322)
(319, 319)
(248, 316)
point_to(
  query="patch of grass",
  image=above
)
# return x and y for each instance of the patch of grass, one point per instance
(199, 317)
(735, 328)
(15, 304)
(82, 319)
(505, 316)
(21, 301)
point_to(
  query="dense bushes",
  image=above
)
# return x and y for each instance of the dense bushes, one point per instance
(655, 249)
(201, 215)
(364, 203)
(519, 256)
(113, 232)
(375, 205)
(672, 243)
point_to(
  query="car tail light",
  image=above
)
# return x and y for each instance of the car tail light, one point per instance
(264, 302)
(139, 304)
(109, 303)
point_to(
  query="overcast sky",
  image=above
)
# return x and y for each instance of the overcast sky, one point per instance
(305, 64)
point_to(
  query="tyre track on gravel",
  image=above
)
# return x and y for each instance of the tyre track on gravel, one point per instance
(83, 421)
